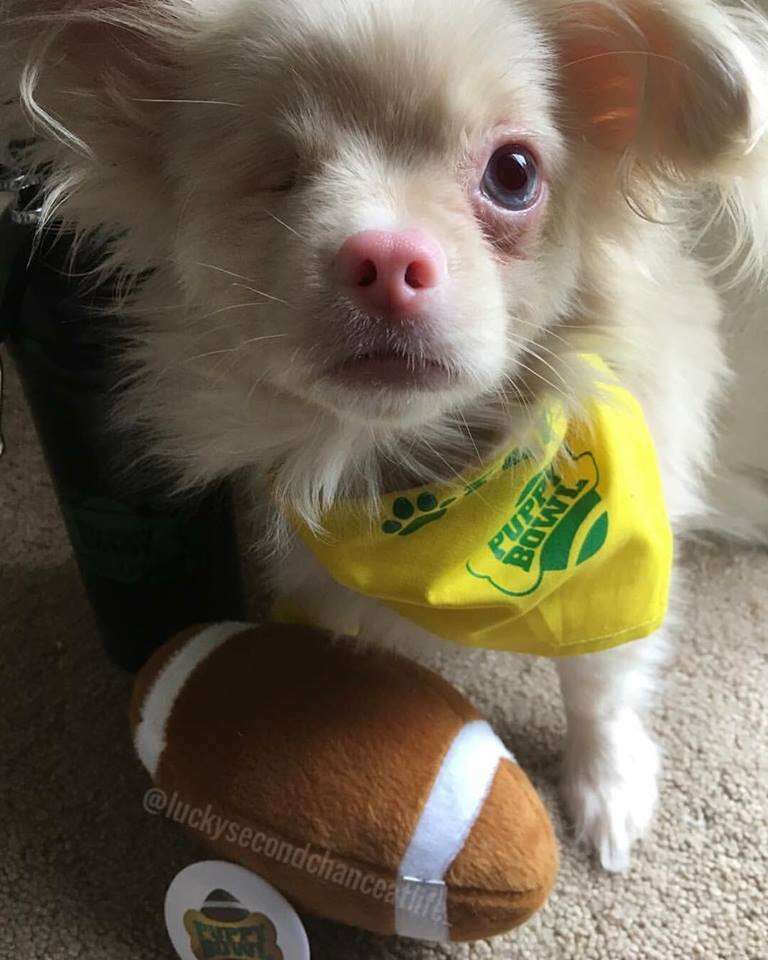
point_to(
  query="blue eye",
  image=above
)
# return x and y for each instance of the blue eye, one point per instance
(511, 179)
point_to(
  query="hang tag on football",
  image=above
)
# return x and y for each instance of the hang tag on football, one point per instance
(220, 911)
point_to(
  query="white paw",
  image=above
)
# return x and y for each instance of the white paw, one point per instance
(610, 786)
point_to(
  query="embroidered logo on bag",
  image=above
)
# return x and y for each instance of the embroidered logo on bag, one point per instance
(557, 524)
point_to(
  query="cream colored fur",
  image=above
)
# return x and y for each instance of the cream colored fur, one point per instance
(230, 146)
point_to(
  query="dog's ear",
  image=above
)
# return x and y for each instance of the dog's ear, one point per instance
(87, 83)
(679, 83)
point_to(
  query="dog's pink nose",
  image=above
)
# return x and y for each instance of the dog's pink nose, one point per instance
(387, 272)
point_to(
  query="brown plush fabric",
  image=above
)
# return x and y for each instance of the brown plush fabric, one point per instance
(331, 752)
(511, 847)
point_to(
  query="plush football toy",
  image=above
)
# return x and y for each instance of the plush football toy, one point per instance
(363, 786)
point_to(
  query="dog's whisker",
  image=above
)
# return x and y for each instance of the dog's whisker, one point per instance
(228, 273)
(230, 307)
(524, 402)
(462, 480)
(648, 54)
(528, 347)
(471, 438)
(540, 376)
(287, 226)
(544, 331)
(214, 103)
(273, 336)
(235, 349)
(262, 293)
(256, 383)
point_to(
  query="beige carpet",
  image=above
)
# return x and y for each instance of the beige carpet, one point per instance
(83, 869)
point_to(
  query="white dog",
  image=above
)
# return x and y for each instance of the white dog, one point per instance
(364, 241)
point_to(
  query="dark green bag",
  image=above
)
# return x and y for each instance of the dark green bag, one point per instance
(151, 563)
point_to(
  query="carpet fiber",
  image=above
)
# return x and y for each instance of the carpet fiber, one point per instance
(83, 869)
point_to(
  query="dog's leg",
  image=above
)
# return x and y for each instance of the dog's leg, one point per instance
(611, 762)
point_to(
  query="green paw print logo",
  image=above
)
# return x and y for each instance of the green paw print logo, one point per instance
(408, 517)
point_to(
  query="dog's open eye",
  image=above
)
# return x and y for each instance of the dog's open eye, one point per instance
(511, 179)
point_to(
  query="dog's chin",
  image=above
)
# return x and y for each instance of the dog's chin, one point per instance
(386, 405)
(390, 389)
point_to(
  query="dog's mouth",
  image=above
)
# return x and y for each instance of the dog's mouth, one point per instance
(391, 369)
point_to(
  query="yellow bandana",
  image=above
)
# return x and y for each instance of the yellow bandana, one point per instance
(569, 552)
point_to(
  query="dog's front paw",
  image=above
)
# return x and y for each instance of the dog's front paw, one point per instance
(610, 787)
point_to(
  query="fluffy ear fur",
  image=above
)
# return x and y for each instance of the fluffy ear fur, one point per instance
(673, 90)
(91, 81)
(672, 80)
